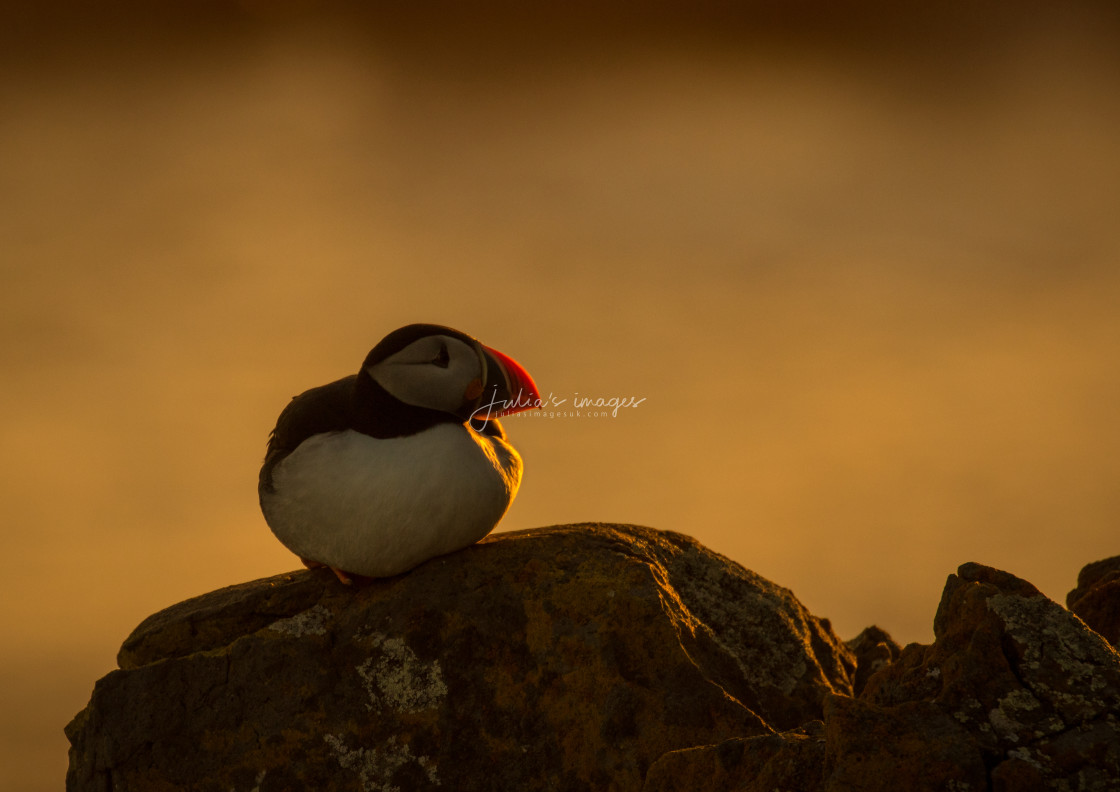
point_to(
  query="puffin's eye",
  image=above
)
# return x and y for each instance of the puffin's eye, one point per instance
(443, 358)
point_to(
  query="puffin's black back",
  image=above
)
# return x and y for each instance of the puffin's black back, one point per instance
(323, 409)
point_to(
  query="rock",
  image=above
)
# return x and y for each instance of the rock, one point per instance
(914, 746)
(789, 760)
(1097, 598)
(602, 657)
(568, 658)
(1036, 693)
(874, 649)
(860, 746)
(1014, 694)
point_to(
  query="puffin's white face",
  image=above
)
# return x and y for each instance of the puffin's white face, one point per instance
(436, 371)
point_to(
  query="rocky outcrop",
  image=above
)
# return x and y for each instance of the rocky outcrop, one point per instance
(1036, 694)
(569, 658)
(1014, 694)
(599, 657)
(1097, 598)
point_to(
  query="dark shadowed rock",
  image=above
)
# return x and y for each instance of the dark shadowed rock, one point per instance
(874, 649)
(914, 746)
(1036, 693)
(1097, 598)
(791, 760)
(568, 658)
(1014, 694)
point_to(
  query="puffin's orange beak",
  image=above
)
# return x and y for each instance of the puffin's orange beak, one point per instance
(513, 389)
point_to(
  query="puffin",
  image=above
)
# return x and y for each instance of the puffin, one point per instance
(406, 460)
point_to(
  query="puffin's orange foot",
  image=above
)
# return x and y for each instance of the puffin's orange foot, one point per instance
(343, 577)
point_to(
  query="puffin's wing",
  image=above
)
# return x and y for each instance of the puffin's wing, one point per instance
(319, 410)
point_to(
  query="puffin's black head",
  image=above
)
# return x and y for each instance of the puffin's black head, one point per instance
(435, 374)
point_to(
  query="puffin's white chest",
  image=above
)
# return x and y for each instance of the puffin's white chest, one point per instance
(379, 507)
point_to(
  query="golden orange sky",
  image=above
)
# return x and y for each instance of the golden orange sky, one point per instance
(867, 289)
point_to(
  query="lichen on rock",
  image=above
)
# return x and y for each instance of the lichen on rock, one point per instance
(397, 680)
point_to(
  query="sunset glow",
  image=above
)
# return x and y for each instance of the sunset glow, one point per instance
(843, 306)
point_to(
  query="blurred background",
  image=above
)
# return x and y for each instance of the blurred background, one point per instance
(861, 262)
